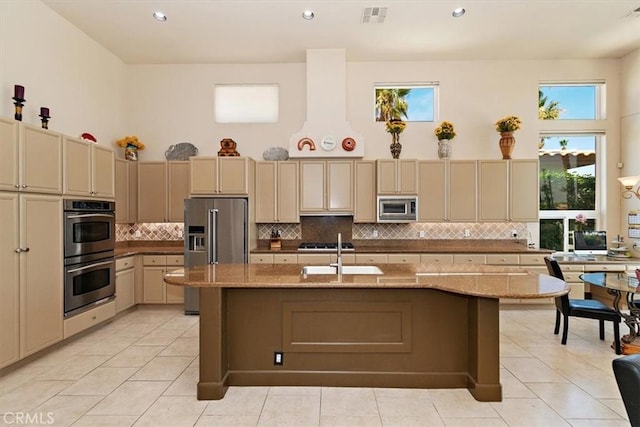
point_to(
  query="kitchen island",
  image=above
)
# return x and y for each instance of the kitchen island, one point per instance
(414, 326)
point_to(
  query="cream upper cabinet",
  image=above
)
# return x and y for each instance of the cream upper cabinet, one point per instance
(126, 191)
(88, 169)
(276, 198)
(326, 186)
(432, 191)
(162, 188)
(462, 191)
(10, 284)
(523, 190)
(220, 175)
(397, 176)
(493, 183)
(365, 191)
(41, 273)
(31, 158)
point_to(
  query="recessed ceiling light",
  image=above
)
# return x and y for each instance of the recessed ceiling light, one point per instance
(159, 16)
(458, 12)
(308, 15)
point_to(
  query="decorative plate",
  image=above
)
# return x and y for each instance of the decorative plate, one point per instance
(328, 143)
(181, 151)
(348, 144)
(88, 137)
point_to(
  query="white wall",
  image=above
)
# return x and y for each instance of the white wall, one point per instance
(60, 67)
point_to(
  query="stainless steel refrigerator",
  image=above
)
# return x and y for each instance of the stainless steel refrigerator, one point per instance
(215, 231)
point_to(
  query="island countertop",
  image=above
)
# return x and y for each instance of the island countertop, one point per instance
(475, 280)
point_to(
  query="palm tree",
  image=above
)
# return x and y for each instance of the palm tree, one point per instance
(391, 104)
(547, 110)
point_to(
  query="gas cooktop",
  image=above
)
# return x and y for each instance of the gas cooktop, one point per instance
(324, 246)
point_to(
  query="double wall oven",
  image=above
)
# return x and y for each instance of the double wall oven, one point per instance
(89, 245)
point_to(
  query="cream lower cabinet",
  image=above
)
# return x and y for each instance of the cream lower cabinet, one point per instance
(364, 204)
(125, 283)
(276, 199)
(162, 188)
(10, 282)
(155, 290)
(326, 186)
(88, 169)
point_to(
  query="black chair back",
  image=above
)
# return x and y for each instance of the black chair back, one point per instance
(562, 302)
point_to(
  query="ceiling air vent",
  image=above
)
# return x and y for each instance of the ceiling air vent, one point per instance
(374, 15)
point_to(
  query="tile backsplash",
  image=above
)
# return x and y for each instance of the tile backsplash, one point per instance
(149, 231)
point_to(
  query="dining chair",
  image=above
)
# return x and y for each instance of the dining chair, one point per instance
(627, 372)
(586, 308)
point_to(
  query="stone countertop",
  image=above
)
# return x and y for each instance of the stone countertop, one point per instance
(593, 259)
(149, 247)
(475, 280)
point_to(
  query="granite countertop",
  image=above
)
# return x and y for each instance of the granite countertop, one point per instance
(149, 247)
(593, 259)
(474, 280)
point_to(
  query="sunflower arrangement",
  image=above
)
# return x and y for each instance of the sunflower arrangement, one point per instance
(130, 141)
(445, 131)
(395, 126)
(508, 124)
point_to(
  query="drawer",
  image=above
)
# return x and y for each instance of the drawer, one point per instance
(124, 263)
(530, 259)
(154, 260)
(576, 290)
(346, 258)
(175, 260)
(511, 259)
(571, 267)
(403, 258)
(469, 259)
(319, 259)
(572, 276)
(436, 259)
(605, 267)
(371, 258)
(89, 318)
(285, 259)
(261, 259)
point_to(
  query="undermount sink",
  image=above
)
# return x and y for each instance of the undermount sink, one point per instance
(346, 269)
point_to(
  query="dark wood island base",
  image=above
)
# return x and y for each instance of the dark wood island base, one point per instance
(410, 338)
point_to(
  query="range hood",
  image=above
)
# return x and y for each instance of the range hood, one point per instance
(326, 132)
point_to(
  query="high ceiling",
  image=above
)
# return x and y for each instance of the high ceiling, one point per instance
(266, 31)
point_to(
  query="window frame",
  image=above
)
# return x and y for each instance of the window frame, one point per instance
(599, 101)
(410, 85)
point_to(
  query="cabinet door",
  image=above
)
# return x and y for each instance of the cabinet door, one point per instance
(312, 185)
(204, 175)
(524, 188)
(152, 191)
(266, 192)
(154, 286)
(365, 192)
(387, 176)
(494, 190)
(407, 177)
(340, 185)
(462, 191)
(287, 192)
(41, 283)
(77, 167)
(103, 164)
(9, 284)
(178, 189)
(233, 175)
(9, 136)
(41, 167)
(432, 191)
(175, 294)
(122, 190)
(125, 289)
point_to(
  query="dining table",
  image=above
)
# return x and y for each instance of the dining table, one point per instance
(624, 288)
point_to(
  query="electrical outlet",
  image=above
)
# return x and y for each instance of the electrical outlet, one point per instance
(467, 233)
(138, 233)
(421, 233)
(278, 358)
(375, 233)
(514, 233)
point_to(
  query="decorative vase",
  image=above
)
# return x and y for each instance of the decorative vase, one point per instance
(131, 152)
(395, 146)
(444, 149)
(507, 142)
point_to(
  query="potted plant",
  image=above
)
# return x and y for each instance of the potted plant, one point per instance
(395, 127)
(131, 145)
(506, 126)
(445, 134)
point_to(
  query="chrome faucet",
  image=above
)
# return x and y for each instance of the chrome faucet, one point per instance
(338, 263)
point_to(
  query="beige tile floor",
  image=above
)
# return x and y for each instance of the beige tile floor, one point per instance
(142, 368)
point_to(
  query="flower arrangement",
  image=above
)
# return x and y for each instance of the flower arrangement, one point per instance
(581, 221)
(445, 131)
(130, 141)
(508, 124)
(395, 126)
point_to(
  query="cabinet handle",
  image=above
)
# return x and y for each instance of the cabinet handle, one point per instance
(404, 260)
(18, 250)
(93, 317)
(25, 250)
(24, 185)
(17, 185)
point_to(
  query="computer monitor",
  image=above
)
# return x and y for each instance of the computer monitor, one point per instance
(590, 242)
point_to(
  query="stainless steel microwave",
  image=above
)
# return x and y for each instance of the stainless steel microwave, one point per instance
(397, 209)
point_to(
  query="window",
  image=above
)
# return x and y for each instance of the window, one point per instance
(246, 103)
(412, 103)
(583, 101)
